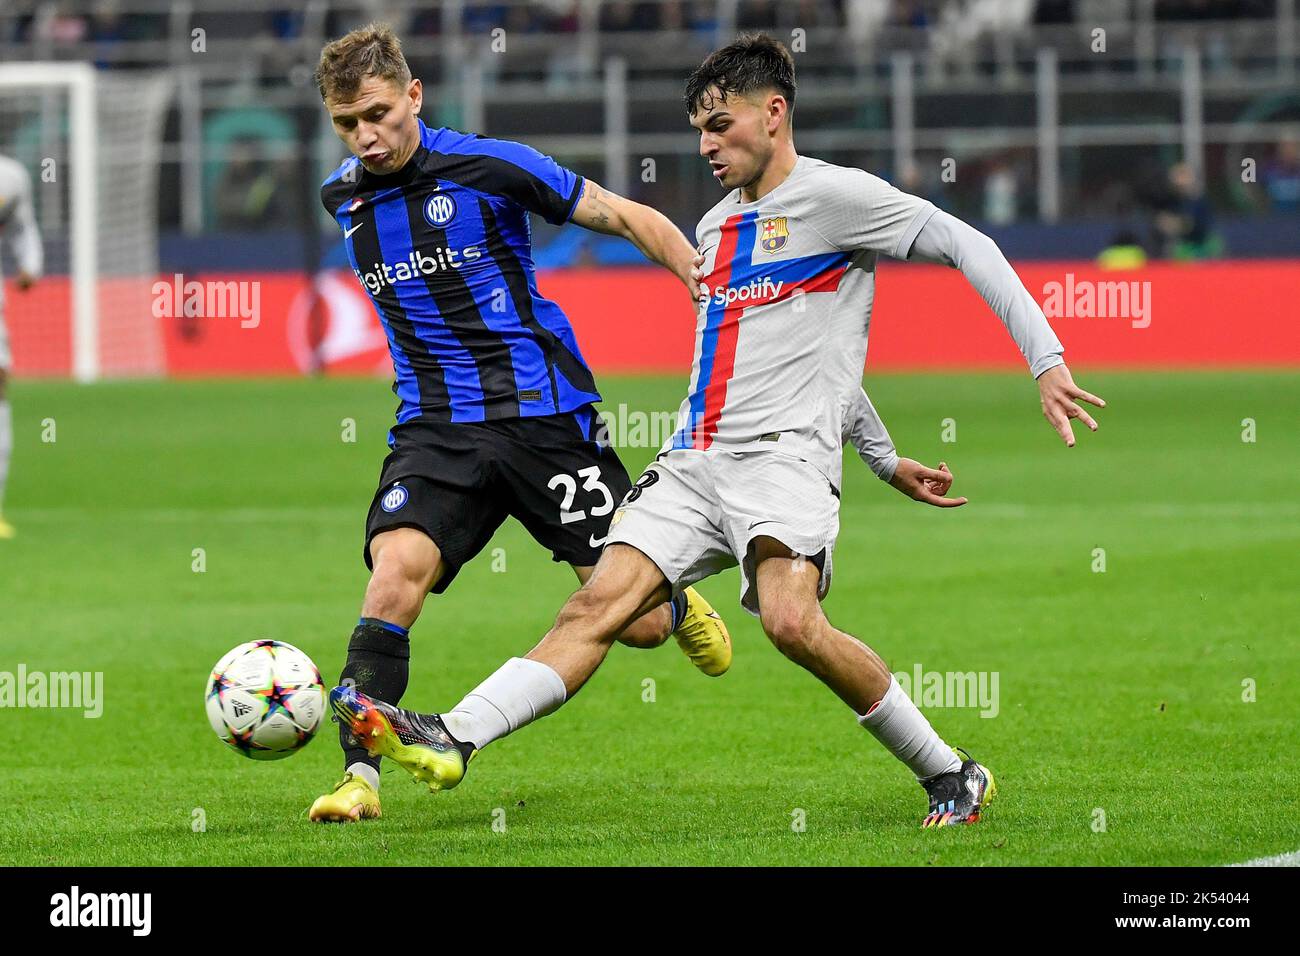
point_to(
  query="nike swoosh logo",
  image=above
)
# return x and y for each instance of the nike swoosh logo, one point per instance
(597, 542)
(347, 233)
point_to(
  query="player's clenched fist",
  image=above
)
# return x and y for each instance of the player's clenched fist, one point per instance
(925, 484)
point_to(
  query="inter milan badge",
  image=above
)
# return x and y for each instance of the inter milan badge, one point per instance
(394, 499)
(439, 209)
(774, 234)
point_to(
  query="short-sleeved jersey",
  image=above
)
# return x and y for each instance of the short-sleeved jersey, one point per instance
(443, 248)
(781, 333)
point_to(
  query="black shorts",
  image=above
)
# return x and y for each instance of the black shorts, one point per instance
(458, 482)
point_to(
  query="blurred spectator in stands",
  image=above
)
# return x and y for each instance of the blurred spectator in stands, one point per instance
(1001, 194)
(484, 17)
(1054, 11)
(914, 180)
(252, 194)
(1124, 252)
(286, 24)
(756, 15)
(955, 39)
(559, 16)
(1182, 222)
(811, 13)
(64, 26)
(628, 15)
(1281, 177)
(106, 22)
(672, 16)
(909, 13)
(1214, 9)
(702, 16)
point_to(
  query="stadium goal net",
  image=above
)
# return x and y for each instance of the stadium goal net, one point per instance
(90, 142)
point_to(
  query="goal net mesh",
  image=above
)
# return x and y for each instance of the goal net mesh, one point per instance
(38, 128)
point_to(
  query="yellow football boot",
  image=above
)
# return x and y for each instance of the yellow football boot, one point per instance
(703, 636)
(6, 529)
(352, 799)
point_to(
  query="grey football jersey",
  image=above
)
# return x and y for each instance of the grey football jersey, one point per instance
(17, 221)
(781, 332)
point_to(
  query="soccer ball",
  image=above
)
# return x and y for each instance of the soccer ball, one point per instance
(265, 699)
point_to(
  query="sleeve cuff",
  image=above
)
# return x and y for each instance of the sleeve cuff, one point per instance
(573, 203)
(887, 468)
(1048, 361)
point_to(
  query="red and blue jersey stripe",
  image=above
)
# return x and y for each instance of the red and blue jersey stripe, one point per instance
(734, 266)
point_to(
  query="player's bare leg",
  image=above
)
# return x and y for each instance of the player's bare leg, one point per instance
(623, 586)
(700, 631)
(406, 563)
(793, 620)
(435, 748)
(6, 448)
(651, 629)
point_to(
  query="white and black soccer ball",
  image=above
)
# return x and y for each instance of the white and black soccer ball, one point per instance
(265, 699)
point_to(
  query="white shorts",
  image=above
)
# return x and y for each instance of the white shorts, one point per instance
(695, 513)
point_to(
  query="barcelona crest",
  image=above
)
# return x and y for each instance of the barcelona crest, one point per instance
(774, 234)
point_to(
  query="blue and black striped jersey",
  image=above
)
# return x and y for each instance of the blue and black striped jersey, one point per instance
(444, 250)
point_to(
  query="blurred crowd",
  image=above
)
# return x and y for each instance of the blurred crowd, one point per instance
(1167, 208)
(107, 21)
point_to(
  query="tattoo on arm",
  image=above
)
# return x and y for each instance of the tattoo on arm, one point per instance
(600, 211)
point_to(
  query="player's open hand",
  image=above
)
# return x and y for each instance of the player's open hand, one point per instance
(1058, 392)
(929, 485)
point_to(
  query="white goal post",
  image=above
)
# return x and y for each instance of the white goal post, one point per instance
(78, 79)
(108, 129)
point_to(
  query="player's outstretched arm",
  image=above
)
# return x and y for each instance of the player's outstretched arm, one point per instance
(648, 229)
(946, 239)
(862, 426)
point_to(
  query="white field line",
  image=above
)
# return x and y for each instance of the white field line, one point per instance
(1282, 859)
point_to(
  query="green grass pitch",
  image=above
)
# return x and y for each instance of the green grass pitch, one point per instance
(1122, 735)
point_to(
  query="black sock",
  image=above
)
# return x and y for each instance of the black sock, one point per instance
(378, 665)
(678, 605)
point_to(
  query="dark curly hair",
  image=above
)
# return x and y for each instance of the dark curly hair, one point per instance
(753, 62)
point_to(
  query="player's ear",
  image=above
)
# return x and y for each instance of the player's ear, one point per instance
(415, 92)
(777, 110)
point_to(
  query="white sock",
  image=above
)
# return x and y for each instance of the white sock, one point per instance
(6, 447)
(906, 734)
(520, 692)
(366, 772)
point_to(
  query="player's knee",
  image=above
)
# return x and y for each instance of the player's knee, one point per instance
(791, 630)
(397, 586)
